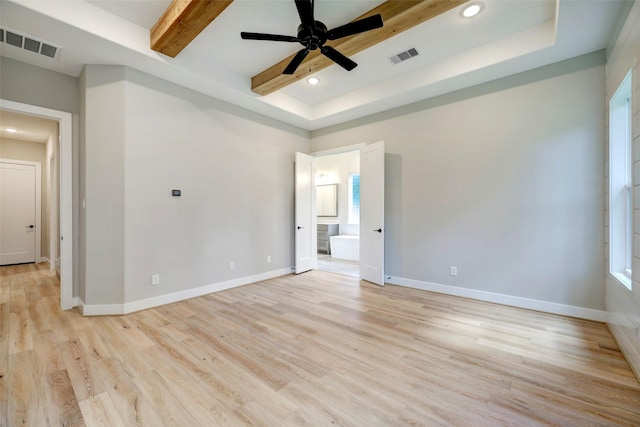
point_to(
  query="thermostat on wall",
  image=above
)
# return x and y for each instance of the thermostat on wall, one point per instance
(176, 193)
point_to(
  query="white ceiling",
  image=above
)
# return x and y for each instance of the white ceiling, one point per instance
(28, 128)
(509, 36)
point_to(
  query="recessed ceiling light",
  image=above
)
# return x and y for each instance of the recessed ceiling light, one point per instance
(11, 130)
(313, 81)
(471, 10)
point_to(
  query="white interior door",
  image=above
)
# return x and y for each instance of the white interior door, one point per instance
(372, 213)
(17, 213)
(305, 213)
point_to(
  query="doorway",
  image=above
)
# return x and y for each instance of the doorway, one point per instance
(338, 212)
(370, 244)
(65, 206)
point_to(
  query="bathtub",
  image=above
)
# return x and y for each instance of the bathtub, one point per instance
(345, 247)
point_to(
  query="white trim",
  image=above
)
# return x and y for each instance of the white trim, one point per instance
(339, 150)
(623, 279)
(101, 309)
(131, 307)
(65, 182)
(38, 218)
(54, 189)
(513, 301)
(629, 352)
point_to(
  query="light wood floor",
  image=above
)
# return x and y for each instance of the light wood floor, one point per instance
(317, 349)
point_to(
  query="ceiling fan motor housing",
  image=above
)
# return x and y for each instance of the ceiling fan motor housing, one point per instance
(312, 37)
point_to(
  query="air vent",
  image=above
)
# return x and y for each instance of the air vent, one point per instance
(29, 43)
(403, 56)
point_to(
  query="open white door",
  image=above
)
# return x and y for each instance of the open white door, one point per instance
(372, 213)
(305, 213)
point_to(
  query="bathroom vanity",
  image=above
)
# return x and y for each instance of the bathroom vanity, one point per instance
(325, 231)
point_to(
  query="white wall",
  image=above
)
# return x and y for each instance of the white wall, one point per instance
(338, 167)
(504, 181)
(103, 146)
(623, 305)
(235, 170)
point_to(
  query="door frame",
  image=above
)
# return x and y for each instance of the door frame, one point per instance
(65, 183)
(53, 212)
(38, 214)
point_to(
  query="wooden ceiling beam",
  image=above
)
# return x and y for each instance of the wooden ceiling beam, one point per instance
(182, 22)
(398, 16)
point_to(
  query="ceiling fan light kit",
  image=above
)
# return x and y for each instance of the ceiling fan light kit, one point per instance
(313, 35)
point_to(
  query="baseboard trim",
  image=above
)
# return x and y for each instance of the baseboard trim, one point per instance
(101, 309)
(160, 300)
(530, 304)
(44, 259)
(626, 347)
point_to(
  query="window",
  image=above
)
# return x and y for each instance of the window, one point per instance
(354, 198)
(620, 184)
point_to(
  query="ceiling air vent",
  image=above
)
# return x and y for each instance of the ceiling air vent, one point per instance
(403, 56)
(29, 43)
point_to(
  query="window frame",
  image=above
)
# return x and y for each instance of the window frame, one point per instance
(621, 183)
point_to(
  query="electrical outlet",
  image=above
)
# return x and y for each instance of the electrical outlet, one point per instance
(453, 270)
(155, 279)
(268, 259)
(232, 266)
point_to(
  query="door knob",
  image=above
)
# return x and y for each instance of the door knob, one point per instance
(299, 228)
(379, 230)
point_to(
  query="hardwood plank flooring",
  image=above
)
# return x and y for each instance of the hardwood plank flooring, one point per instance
(318, 349)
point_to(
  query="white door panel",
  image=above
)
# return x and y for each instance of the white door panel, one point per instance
(17, 213)
(305, 213)
(372, 213)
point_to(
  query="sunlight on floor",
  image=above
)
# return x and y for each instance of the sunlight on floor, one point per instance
(340, 266)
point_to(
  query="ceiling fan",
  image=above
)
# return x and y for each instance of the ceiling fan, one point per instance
(313, 34)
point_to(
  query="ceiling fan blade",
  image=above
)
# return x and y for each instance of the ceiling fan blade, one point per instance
(356, 27)
(338, 58)
(305, 10)
(296, 61)
(270, 37)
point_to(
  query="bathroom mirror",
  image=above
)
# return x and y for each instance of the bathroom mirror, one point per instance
(327, 200)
